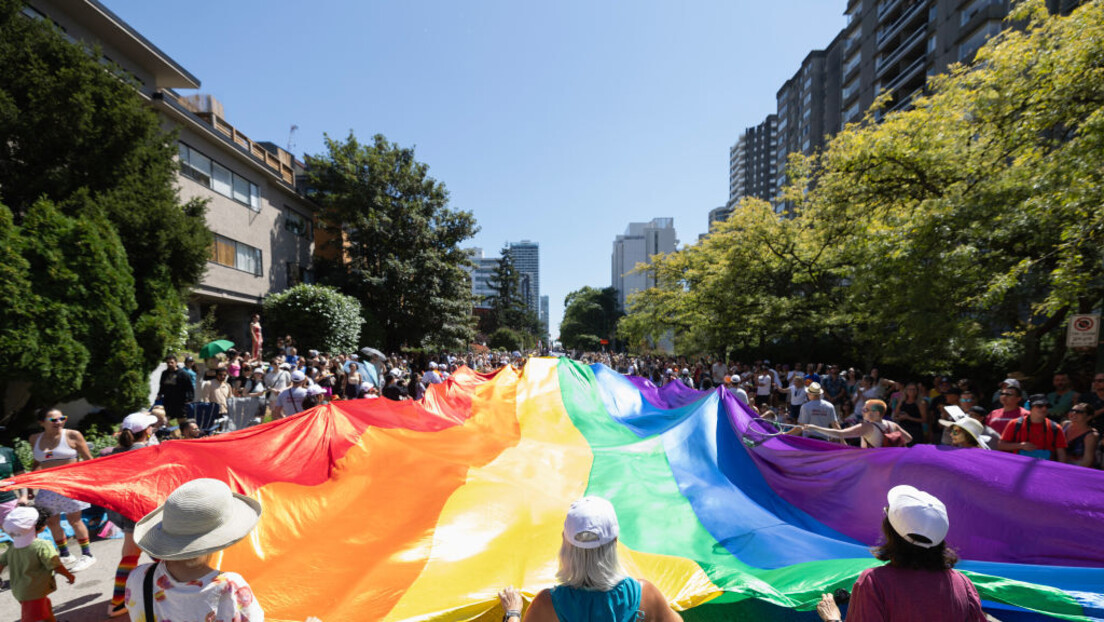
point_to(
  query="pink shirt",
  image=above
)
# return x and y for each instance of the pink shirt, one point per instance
(904, 595)
(1000, 417)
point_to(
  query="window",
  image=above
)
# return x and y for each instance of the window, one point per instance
(217, 177)
(295, 223)
(227, 252)
(851, 112)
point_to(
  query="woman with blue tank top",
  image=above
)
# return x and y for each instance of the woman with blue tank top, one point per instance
(593, 587)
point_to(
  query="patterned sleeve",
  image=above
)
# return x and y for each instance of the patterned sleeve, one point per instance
(237, 603)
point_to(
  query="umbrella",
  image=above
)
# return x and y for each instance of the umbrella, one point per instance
(370, 352)
(213, 348)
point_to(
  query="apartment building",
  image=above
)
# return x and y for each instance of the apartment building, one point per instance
(887, 46)
(639, 243)
(526, 255)
(262, 224)
(752, 162)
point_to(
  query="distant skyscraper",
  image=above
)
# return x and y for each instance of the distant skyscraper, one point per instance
(640, 241)
(481, 275)
(526, 256)
(718, 215)
(544, 313)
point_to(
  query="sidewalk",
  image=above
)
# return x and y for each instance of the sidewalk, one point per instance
(85, 600)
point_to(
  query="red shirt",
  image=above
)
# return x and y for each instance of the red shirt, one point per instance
(904, 595)
(1001, 417)
(1036, 434)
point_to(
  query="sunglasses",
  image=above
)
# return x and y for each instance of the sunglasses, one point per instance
(1007, 394)
(57, 419)
(1082, 412)
(956, 431)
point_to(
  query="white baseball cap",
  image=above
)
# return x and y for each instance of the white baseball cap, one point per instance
(591, 523)
(298, 376)
(20, 525)
(918, 517)
(136, 422)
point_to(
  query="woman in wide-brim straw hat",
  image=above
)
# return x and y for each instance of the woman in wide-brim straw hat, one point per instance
(199, 518)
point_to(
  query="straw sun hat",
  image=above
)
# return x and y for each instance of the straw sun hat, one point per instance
(200, 517)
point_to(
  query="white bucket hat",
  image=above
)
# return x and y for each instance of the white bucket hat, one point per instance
(20, 525)
(915, 513)
(591, 522)
(200, 517)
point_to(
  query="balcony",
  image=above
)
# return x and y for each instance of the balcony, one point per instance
(885, 6)
(886, 33)
(906, 101)
(909, 44)
(906, 74)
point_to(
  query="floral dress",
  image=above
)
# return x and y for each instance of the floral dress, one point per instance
(215, 597)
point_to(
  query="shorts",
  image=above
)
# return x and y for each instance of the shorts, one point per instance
(57, 503)
(121, 521)
(6, 507)
(36, 610)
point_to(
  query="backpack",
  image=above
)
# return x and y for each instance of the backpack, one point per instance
(1051, 429)
(891, 439)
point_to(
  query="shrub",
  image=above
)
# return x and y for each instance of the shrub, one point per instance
(316, 316)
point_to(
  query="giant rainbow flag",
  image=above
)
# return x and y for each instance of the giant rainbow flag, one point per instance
(380, 510)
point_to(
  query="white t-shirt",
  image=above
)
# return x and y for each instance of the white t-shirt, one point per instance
(740, 394)
(218, 596)
(718, 372)
(763, 384)
(797, 395)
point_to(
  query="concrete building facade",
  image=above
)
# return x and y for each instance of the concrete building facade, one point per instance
(262, 224)
(637, 245)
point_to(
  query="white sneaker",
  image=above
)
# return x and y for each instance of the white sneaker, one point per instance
(83, 563)
(68, 561)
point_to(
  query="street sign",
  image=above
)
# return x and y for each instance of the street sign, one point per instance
(1084, 331)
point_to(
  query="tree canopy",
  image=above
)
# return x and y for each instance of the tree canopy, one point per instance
(398, 242)
(590, 315)
(508, 307)
(84, 162)
(960, 232)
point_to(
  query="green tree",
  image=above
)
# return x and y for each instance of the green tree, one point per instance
(399, 239)
(320, 317)
(76, 132)
(72, 329)
(590, 315)
(960, 233)
(508, 308)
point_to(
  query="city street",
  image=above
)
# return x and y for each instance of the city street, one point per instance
(85, 600)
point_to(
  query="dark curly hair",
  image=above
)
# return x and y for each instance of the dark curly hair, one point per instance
(903, 554)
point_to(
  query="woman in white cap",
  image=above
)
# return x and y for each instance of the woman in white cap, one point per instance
(135, 433)
(198, 519)
(919, 582)
(593, 585)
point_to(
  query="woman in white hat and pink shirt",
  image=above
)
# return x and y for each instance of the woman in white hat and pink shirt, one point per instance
(199, 518)
(918, 583)
(592, 583)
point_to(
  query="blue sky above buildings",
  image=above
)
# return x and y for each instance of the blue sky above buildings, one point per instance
(557, 122)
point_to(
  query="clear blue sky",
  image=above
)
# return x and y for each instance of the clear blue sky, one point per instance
(558, 122)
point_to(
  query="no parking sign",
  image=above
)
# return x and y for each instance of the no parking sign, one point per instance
(1084, 331)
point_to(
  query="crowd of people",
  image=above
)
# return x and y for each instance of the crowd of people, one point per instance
(823, 400)
(816, 400)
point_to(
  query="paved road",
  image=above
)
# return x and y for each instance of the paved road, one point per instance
(85, 600)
